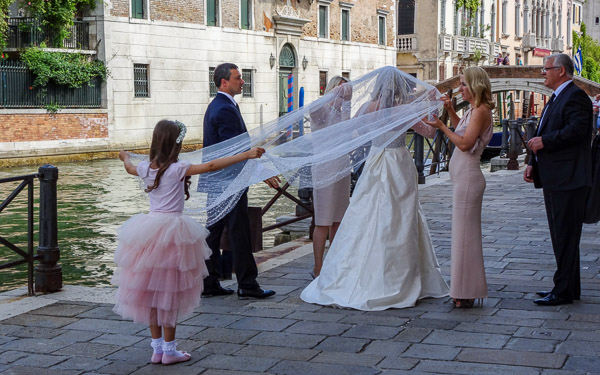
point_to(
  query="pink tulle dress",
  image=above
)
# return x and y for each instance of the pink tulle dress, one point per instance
(160, 256)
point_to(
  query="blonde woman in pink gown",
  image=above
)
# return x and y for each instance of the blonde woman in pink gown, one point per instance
(473, 133)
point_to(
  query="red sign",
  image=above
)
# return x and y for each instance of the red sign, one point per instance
(541, 52)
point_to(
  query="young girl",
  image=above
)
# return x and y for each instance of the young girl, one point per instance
(160, 256)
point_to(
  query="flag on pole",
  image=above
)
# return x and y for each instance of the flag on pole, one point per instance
(578, 60)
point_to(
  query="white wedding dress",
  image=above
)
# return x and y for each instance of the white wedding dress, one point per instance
(382, 256)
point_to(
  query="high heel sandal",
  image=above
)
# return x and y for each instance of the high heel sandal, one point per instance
(463, 303)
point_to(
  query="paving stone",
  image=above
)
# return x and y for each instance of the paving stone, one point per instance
(82, 363)
(413, 334)
(315, 316)
(511, 321)
(136, 355)
(542, 333)
(386, 348)
(352, 359)
(343, 344)
(570, 325)
(168, 370)
(533, 314)
(120, 340)
(285, 339)
(584, 336)
(486, 328)
(212, 320)
(513, 357)
(579, 348)
(425, 351)
(398, 363)
(41, 346)
(71, 337)
(120, 368)
(467, 339)
(561, 372)
(219, 348)
(377, 320)
(433, 324)
(304, 368)
(319, 328)
(103, 312)
(584, 364)
(10, 356)
(106, 326)
(239, 363)
(37, 333)
(62, 310)
(26, 370)
(268, 313)
(447, 367)
(372, 332)
(233, 336)
(534, 345)
(277, 352)
(262, 324)
(229, 372)
(40, 360)
(44, 321)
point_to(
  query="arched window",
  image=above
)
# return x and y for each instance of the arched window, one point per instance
(406, 17)
(286, 57)
(597, 22)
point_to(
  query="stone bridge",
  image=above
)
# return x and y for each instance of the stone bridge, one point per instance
(517, 78)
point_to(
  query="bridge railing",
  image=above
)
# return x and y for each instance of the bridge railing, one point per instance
(48, 274)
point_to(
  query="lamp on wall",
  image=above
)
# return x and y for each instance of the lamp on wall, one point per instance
(304, 63)
(272, 60)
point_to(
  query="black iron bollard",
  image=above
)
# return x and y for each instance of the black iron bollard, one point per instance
(48, 274)
(419, 155)
(504, 146)
(513, 149)
(305, 196)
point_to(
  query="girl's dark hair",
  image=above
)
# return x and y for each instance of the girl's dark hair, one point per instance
(164, 151)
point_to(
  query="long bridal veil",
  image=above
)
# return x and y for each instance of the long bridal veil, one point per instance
(379, 106)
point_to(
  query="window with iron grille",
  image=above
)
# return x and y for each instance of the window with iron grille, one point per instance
(406, 17)
(141, 86)
(137, 9)
(212, 12)
(211, 82)
(381, 30)
(345, 24)
(247, 89)
(246, 14)
(322, 82)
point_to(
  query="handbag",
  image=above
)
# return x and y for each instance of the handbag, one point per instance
(592, 204)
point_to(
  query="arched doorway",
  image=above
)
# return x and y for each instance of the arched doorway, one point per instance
(287, 64)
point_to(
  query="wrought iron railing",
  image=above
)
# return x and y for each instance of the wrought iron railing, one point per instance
(17, 90)
(28, 32)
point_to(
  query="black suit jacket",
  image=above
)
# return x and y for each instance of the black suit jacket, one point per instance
(565, 161)
(222, 121)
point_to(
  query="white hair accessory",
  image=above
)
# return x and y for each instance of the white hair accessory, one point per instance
(182, 131)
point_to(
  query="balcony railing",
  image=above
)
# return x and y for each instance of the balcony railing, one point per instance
(27, 32)
(406, 43)
(445, 42)
(528, 41)
(460, 44)
(557, 45)
(478, 44)
(495, 49)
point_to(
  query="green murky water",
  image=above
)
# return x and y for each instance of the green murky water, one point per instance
(94, 199)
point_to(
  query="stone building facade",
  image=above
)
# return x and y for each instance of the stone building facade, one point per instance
(591, 18)
(161, 54)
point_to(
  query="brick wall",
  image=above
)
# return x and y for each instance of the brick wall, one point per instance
(191, 11)
(120, 8)
(52, 127)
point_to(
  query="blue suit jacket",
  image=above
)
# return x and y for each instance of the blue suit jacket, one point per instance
(222, 121)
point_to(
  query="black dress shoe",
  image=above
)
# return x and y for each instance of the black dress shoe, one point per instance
(552, 300)
(543, 293)
(254, 293)
(217, 291)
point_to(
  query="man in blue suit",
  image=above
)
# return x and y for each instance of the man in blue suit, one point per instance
(224, 121)
(562, 167)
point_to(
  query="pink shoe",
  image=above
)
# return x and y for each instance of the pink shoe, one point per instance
(172, 359)
(156, 358)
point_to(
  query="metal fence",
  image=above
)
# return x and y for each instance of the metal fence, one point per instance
(28, 32)
(17, 90)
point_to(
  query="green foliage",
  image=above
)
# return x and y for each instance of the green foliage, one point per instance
(69, 69)
(477, 55)
(590, 51)
(471, 5)
(52, 108)
(55, 16)
(4, 4)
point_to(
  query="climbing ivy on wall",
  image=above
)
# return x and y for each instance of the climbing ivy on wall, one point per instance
(4, 4)
(470, 5)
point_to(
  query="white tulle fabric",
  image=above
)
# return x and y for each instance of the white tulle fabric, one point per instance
(343, 123)
(160, 267)
(382, 256)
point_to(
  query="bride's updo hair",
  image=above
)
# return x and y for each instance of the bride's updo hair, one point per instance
(391, 88)
(479, 85)
(334, 82)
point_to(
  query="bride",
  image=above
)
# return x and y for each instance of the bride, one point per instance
(382, 256)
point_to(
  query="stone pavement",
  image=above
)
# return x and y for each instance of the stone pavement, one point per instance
(76, 332)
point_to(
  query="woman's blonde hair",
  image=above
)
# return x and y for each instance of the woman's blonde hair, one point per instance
(334, 82)
(479, 84)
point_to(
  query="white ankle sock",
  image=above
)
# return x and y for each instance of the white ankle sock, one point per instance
(170, 348)
(157, 345)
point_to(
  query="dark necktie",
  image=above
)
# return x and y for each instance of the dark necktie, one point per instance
(546, 112)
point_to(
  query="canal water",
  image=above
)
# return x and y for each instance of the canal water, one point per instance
(94, 199)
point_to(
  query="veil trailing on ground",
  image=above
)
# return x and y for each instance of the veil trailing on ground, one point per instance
(341, 129)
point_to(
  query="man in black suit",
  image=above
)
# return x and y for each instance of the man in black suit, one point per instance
(223, 121)
(561, 165)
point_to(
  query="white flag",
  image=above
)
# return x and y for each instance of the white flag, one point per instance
(578, 60)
